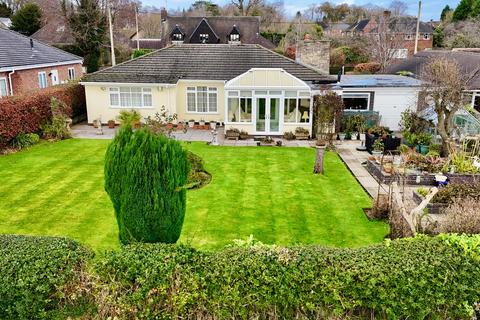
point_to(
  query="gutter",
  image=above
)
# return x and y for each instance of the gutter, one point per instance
(10, 81)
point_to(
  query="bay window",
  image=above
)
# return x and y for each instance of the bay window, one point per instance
(239, 107)
(201, 100)
(130, 97)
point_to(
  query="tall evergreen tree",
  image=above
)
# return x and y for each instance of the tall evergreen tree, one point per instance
(27, 19)
(5, 11)
(463, 10)
(445, 11)
(144, 177)
(89, 26)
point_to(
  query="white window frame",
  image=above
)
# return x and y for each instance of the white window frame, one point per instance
(6, 87)
(234, 37)
(409, 36)
(426, 36)
(71, 74)
(115, 91)
(204, 37)
(240, 94)
(297, 97)
(366, 94)
(194, 91)
(42, 76)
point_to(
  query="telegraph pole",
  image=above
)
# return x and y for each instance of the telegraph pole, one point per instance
(112, 48)
(136, 25)
(418, 26)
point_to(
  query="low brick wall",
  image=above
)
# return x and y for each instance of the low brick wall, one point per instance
(433, 208)
(411, 179)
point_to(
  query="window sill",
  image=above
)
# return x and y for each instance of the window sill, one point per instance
(194, 112)
(238, 123)
(127, 108)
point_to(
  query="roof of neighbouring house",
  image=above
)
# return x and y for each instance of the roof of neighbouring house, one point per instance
(401, 24)
(5, 22)
(203, 62)
(378, 81)
(15, 51)
(468, 61)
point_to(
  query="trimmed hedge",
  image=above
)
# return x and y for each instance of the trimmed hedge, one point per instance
(416, 278)
(35, 275)
(26, 113)
(409, 278)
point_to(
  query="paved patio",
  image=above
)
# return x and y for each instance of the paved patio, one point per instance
(85, 131)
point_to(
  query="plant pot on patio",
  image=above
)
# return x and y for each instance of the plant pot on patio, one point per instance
(232, 134)
(243, 135)
(213, 125)
(301, 133)
(180, 126)
(191, 124)
(111, 124)
(267, 141)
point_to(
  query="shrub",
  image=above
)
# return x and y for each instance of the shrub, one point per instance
(197, 176)
(129, 118)
(56, 128)
(454, 191)
(26, 113)
(408, 278)
(37, 275)
(369, 67)
(461, 216)
(145, 177)
(25, 140)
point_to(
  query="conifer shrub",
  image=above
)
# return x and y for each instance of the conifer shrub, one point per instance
(145, 177)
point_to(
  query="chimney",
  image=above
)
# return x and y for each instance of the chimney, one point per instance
(31, 44)
(314, 53)
(163, 14)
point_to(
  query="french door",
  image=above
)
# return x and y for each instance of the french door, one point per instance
(267, 115)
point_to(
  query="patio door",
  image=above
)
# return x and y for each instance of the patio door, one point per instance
(267, 120)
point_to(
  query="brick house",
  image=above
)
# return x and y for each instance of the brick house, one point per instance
(27, 64)
(404, 29)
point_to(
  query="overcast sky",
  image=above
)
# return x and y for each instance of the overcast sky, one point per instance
(431, 8)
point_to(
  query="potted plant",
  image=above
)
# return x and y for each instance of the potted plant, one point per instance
(201, 124)
(265, 141)
(377, 147)
(301, 133)
(423, 140)
(111, 124)
(130, 118)
(359, 125)
(289, 135)
(232, 133)
(213, 125)
(243, 135)
(191, 123)
(180, 125)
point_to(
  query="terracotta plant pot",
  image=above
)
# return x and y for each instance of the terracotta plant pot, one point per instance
(169, 125)
(180, 126)
(111, 124)
(137, 125)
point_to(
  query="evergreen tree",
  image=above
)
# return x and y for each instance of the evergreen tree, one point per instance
(144, 177)
(463, 10)
(438, 37)
(89, 26)
(27, 19)
(445, 12)
(5, 11)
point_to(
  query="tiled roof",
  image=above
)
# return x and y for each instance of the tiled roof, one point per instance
(377, 80)
(467, 61)
(203, 62)
(15, 51)
(397, 24)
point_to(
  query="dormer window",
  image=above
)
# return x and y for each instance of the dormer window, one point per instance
(234, 35)
(203, 37)
(177, 35)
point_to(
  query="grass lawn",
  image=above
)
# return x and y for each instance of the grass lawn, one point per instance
(57, 189)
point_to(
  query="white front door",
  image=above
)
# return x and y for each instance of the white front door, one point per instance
(267, 119)
(54, 77)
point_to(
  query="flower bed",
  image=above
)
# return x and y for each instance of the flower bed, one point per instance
(433, 208)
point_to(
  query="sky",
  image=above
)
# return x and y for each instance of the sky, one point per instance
(431, 8)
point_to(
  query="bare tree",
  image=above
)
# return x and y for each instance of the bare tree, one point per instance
(398, 8)
(385, 44)
(151, 25)
(444, 86)
(245, 7)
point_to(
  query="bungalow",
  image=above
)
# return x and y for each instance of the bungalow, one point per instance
(243, 86)
(389, 95)
(27, 64)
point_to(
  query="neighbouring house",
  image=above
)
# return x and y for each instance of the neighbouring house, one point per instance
(334, 28)
(467, 59)
(27, 64)
(403, 28)
(389, 95)
(246, 86)
(207, 30)
(55, 32)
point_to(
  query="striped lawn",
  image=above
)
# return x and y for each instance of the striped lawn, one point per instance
(57, 189)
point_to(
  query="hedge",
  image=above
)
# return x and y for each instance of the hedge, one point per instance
(36, 273)
(25, 113)
(416, 278)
